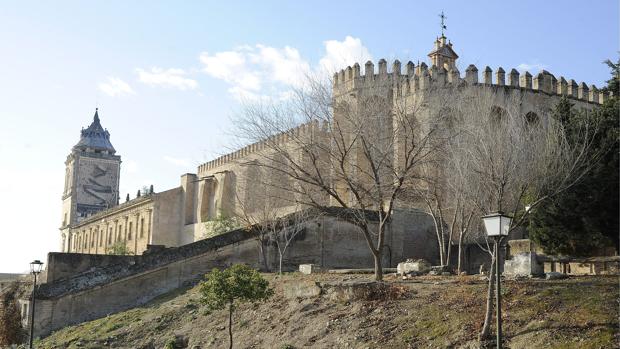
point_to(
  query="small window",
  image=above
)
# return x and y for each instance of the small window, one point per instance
(498, 113)
(130, 230)
(531, 118)
(141, 228)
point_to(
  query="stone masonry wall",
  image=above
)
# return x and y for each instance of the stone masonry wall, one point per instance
(327, 241)
(65, 265)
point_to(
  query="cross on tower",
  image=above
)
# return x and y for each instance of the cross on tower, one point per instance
(443, 25)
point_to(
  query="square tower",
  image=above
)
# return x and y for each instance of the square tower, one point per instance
(91, 178)
(442, 55)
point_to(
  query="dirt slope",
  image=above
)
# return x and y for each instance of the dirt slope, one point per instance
(426, 312)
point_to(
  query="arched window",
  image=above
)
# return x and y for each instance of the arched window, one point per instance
(498, 113)
(141, 228)
(532, 118)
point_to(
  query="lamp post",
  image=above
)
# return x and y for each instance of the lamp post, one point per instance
(35, 269)
(497, 225)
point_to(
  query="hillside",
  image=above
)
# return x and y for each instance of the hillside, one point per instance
(437, 312)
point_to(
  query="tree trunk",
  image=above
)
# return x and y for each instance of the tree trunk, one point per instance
(261, 249)
(486, 328)
(230, 312)
(378, 267)
(449, 250)
(458, 268)
(280, 265)
(437, 231)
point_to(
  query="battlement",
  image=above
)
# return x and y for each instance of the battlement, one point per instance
(422, 77)
(306, 129)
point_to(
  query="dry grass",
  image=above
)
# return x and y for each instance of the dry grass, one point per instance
(437, 312)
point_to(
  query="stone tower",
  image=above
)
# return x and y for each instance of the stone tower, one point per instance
(442, 55)
(91, 177)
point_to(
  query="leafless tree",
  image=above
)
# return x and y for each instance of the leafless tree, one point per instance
(287, 229)
(357, 150)
(504, 160)
(253, 210)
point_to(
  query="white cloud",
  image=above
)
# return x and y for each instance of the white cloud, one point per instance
(167, 78)
(257, 71)
(531, 67)
(115, 87)
(232, 67)
(178, 161)
(340, 54)
(260, 71)
(284, 65)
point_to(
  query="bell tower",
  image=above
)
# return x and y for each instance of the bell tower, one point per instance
(442, 55)
(91, 178)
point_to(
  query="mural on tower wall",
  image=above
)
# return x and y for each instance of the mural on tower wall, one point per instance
(96, 185)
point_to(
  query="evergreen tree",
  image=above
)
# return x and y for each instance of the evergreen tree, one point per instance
(11, 331)
(584, 219)
(225, 289)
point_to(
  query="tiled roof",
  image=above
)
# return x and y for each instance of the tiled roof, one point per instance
(95, 137)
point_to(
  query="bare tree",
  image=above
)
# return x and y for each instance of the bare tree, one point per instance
(357, 150)
(504, 160)
(287, 230)
(254, 210)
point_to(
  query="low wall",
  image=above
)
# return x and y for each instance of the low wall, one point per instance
(64, 265)
(96, 292)
(527, 259)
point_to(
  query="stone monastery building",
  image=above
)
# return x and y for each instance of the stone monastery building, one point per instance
(93, 220)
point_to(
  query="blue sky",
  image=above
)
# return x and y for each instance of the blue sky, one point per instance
(168, 75)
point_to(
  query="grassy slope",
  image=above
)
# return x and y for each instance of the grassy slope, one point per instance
(439, 312)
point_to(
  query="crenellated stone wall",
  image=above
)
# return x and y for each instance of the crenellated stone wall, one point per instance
(220, 187)
(421, 77)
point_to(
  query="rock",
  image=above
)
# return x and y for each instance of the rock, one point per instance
(463, 273)
(180, 341)
(440, 268)
(433, 272)
(309, 268)
(554, 275)
(301, 289)
(410, 265)
(446, 273)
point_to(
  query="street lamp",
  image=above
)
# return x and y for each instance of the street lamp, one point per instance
(35, 269)
(497, 225)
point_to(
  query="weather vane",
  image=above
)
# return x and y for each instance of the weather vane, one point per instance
(443, 25)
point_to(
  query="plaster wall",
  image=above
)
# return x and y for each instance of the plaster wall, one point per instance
(167, 218)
